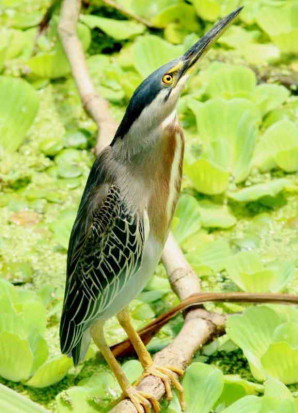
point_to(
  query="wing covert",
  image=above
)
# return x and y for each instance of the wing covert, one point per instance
(107, 255)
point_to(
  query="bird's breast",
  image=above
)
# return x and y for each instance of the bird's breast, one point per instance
(166, 181)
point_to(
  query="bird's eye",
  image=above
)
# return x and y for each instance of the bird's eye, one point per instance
(167, 79)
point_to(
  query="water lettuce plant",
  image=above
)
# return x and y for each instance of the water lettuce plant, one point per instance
(269, 341)
(24, 350)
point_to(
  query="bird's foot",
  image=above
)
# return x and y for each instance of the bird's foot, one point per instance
(168, 375)
(142, 401)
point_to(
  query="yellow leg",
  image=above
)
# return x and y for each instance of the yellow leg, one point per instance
(142, 401)
(166, 374)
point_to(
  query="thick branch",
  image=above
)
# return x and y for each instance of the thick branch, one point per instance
(183, 279)
(96, 106)
(195, 332)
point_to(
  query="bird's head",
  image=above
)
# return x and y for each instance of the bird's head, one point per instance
(153, 104)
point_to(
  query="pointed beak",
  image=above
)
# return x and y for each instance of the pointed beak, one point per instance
(203, 45)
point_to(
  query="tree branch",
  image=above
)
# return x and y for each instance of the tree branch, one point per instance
(95, 105)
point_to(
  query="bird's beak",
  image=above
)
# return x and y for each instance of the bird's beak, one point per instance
(203, 45)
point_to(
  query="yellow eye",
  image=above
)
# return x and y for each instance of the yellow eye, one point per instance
(167, 79)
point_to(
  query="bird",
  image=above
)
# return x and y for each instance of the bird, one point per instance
(123, 221)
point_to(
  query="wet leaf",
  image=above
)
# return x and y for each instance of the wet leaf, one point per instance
(207, 177)
(188, 215)
(62, 226)
(281, 361)
(50, 372)
(258, 191)
(251, 275)
(230, 81)
(216, 216)
(212, 254)
(150, 52)
(203, 385)
(253, 332)
(118, 29)
(16, 358)
(18, 100)
(13, 402)
(248, 404)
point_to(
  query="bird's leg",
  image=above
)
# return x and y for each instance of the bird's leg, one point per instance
(142, 401)
(166, 374)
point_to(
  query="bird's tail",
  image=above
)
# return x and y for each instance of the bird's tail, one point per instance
(78, 353)
(74, 339)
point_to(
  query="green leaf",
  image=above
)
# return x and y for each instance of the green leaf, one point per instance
(253, 332)
(269, 97)
(39, 349)
(288, 159)
(207, 177)
(270, 404)
(34, 314)
(203, 385)
(188, 215)
(207, 9)
(258, 191)
(235, 388)
(231, 81)
(54, 63)
(281, 26)
(212, 254)
(7, 289)
(174, 405)
(181, 13)
(51, 146)
(287, 332)
(50, 65)
(91, 395)
(50, 372)
(284, 129)
(276, 389)
(18, 100)
(279, 145)
(13, 402)
(248, 404)
(260, 53)
(248, 272)
(62, 226)
(227, 129)
(150, 52)
(281, 362)
(237, 37)
(16, 358)
(216, 216)
(118, 29)
(133, 370)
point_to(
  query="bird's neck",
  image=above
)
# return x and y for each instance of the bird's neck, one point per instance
(142, 141)
(152, 177)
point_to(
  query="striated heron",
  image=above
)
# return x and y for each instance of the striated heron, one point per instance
(123, 220)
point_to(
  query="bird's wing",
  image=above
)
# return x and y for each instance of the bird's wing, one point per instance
(101, 261)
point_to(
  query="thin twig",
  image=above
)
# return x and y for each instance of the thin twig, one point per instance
(125, 348)
(128, 13)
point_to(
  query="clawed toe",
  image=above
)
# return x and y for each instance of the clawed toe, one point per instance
(168, 376)
(142, 401)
